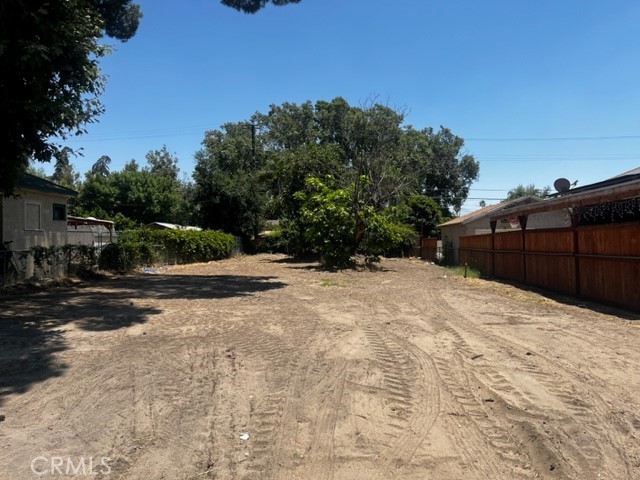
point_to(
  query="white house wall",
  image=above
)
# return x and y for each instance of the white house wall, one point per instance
(23, 236)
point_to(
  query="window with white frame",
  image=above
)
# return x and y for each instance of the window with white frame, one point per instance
(32, 216)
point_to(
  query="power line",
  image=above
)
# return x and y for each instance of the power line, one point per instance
(554, 139)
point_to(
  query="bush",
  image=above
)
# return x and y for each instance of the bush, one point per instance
(389, 238)
(338, 231)
(145, 247)
(120, 257)
(272, 242)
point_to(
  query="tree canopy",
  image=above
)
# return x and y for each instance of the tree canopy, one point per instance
(134, 195)
(252, 6)
(531, 189)
(366, 162)
(50, 81)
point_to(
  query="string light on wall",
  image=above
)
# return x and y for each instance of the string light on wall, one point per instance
(609, 212)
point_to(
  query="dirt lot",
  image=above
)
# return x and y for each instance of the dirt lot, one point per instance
(407, 373)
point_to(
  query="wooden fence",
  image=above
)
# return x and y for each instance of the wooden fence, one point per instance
(429, 249)
(599, 262)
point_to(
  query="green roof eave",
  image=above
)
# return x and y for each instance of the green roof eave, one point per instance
(32, 182)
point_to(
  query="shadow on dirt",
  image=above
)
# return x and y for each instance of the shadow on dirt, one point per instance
(614, 310)
(313, 264)
(32, 323)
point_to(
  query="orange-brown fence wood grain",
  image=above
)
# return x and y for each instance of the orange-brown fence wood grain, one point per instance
(600, 262)
(429, 249)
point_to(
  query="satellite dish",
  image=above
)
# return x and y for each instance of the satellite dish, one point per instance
(562, 185)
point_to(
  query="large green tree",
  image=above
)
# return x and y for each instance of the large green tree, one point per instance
(137, 195)
(230, 190)
(372, 141)
(446, 172)
(64, 174)
(50, 80)
(164, 163)
(368, 151)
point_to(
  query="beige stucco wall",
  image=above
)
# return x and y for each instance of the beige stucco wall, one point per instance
(51, 232)
(452, 233)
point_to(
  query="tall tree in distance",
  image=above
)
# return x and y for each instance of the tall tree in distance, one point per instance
(447, 172)
(162, 162)
(101, 167)
(64, 173)
(531, 189)
(229, 190)
(50, 80)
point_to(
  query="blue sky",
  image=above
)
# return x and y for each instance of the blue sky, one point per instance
(538, 90)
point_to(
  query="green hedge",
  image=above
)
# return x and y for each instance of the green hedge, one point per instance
(145, 247)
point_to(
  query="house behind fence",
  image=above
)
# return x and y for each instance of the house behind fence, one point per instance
(597, 257)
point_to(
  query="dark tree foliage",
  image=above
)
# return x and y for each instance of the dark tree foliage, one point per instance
(101, 167)
(50, 78)
(229, 190)
(164, 163)
(383, 165)
(525, 190)
(63, 173)
(121, 17)
(252, 6)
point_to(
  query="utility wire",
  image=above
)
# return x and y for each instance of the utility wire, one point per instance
(554, 139)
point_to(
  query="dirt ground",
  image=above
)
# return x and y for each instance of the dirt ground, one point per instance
(263, 368)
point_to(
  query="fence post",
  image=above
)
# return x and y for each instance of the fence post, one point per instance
(576, 250)
(522, 220)
(493, 224)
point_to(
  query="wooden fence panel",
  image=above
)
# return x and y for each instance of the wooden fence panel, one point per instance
(509, 241)
(429, 249)
(508, 265)
(611, 281)
(552, 272)
(618, 239)
(599, 262)
(480, 260)
(475, 250)
(482, 242)
(555, 270)
(549, 241)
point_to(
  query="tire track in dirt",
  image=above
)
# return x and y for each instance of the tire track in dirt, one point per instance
(576, 450)
(316, 455)
(410, 385)
(469, 429)
(170, 398)
(280, 360)
(488, 447)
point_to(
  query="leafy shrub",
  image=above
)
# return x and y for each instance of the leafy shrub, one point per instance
(120, 257)
(146, 246)
(405, 238)
(338, 228)
(384, 236)
(272, 242)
